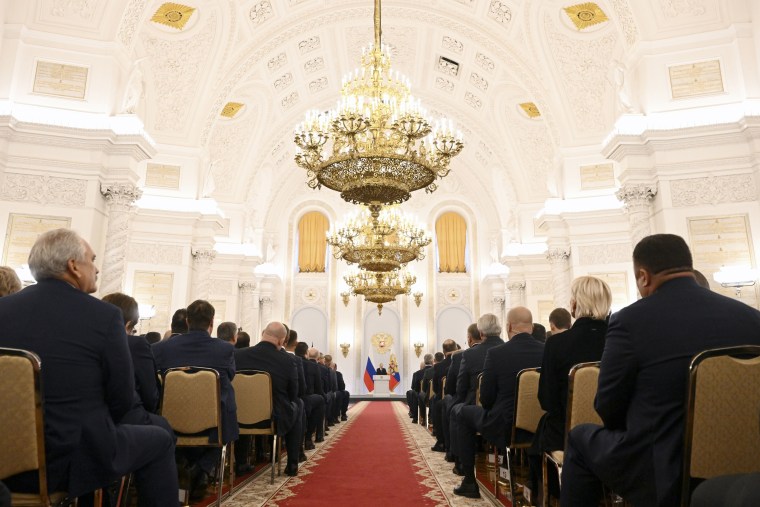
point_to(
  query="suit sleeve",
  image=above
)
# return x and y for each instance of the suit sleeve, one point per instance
(488, 382)
(292, 382)
(341, 382)
(231, 368)
(451, 378)
(145, 373)
(119, 377)
(301, 377)
(463, 381)
(548, 391)
(617, 376)
(318, 389)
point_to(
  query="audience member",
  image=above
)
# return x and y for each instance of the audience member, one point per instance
(701, 279)
(243, 340)
(590, 300)
(314, 386)
(412, 395)
(643, 378)
(266, 356)
(9, 281)
(425, 381)
(291, 336)
(440, 370)
(227, 331)
(538, 332)
(344, 395)
(198, 348)
(334, 415)
(87, 378)
(559, 321)
(450, 399)
(152, 337)
(179, 323)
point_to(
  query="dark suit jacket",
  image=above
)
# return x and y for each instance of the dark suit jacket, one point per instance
(324, 374)
(642, 385)
(416, 378)
(198, 348)
(582, 343)
(333, 379)
(144, 365)
(472, 364)
(427, 378)
(497, 389)
(299, 369)
(439, 371)
(87, 377)
(381, 371)
(313, 378)
(266, 357)
(341, 382)
(453, 373)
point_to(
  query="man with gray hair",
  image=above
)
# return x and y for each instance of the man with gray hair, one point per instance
(427, 380)
(88, 382)
(227, 331)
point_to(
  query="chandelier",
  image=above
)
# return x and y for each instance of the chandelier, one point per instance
(379, 240)
(377, 146)
(380, 287)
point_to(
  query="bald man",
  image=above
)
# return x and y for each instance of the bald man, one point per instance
(266, 356)
(497, 392)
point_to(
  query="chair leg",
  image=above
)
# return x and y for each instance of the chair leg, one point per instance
(232, 465)
(274, 455)
(123, 499)
(220, 481)
(510, 475)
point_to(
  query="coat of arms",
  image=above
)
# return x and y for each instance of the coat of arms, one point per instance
(382, 342)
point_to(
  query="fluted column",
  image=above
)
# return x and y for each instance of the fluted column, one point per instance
(202, 259)
(120, 198)
(559, 260)
(265, 310)
(249, 308)
(516, 293)
(638, 204)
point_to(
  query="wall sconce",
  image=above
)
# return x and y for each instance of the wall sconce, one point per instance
(417, 298)
(418, 348)
(736, 277)
(345, 296)
(344, 348)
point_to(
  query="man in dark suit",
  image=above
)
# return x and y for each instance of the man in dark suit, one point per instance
(298, 365)
(334, 416)
(497, 393)
(450, 392)
(87, 378)
(315, 385)
(314, 401)
(198, 348)
(440, 370)
(643, 378)
(412, 395)
(467, 378)
(381, 370)
(345, 396)
(266, 356)
(427, 385)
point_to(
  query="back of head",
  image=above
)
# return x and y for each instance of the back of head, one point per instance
(439, 357)
(313, 353)
(292, 339)
(560, 318)
(226, 331)
(274, 333)
(701, 279)
(243, 341)
(50, 254)
(328, 360)
(179, 321)
(473, 335)
(153, 337)
(302, 348)
(488, 325)
(200, 315)
(9, 281)
(591, 297)
(520, 320)
(539, 332)
(449, 346)
(128, 306)
(663, 253)
(427, 359)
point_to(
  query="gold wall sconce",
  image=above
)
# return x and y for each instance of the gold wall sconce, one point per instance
(417, 298)
(418, 348)
(344, 348)
(345, 296)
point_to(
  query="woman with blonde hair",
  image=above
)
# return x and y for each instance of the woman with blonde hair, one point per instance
(590, 301)
(9, 281)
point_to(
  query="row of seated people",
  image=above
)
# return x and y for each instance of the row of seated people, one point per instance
(644, 352)
(101, 392)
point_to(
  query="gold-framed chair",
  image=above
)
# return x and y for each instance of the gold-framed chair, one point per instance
(22, 435)
(192, 403)
(582, 384)
(722, 433)
(255, 405)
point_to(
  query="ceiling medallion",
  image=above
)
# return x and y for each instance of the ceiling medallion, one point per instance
(379, 240)
(173, 15)
(380, 287)
(231, 109)
(530, 109)
(585, 15)
(378, 145)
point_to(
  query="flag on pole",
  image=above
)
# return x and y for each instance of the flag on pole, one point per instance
(369, 373)
(394, 380)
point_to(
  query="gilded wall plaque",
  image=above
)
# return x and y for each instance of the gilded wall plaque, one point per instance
(597, 176)
(530, 109)
(162, 176)
(23, 231)
(60, 80)
(699, 78)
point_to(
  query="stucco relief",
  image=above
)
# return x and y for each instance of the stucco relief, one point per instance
(500, 12)
(129, 21)
(677, 8)
(176, 67)
(454, 293)
(43, 189)
(154, 253)
(535, 146)
(626, 20)
(219, 287)
(402, 41)
(227, 147)
(713, 190)
(540, 287)
(260, 12)
(82, 8)
(607, 253)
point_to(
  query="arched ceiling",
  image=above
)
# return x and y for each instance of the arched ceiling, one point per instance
(478, 62)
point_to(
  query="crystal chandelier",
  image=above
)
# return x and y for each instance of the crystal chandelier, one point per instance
(380, 287)
(378, 145)
(379, 240)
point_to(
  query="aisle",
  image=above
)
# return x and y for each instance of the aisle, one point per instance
(371, 460)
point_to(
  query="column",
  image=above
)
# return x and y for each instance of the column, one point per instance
(120, 198)
(265, 310)
(638, 202)
(516, 293)
(202, 259)
(249, 308)
(559, 260)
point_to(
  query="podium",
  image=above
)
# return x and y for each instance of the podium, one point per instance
(381, 385)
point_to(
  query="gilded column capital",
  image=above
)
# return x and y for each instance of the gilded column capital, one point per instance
(636, 195)
(554, 255)
(120, 194)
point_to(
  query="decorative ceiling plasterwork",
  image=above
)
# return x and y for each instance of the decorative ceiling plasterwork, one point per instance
(678, 8)
(401, 39)
(82, 8)
(626, 21)
(229, 143)
(177, 66)
(260, 13)
(129, 21)
(713, 190)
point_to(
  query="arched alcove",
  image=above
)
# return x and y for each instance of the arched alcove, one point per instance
(452, 323)
(311, 324)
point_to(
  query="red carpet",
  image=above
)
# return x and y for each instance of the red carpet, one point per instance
(369, 466)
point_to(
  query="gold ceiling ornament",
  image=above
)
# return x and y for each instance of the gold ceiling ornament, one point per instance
(585, 15)
(380, 287)
(378, 239)
(377, 146)
(231, 109)
(530, 109)
(173, 15)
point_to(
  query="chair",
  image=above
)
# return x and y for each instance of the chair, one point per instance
(583, 381)
(192, 403)
(722, 434)
(526, 416)
(253, 395)
(22, 437)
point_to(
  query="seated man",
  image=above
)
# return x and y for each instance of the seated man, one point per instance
(427, 383)
(87, 378)
(198, 348)
(343, 395)
(314, 401)
(334, 416)
(440, 370)
(266, 356)
(412, 395)
(643, 379)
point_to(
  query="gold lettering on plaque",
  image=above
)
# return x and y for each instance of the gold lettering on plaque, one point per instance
(23, 231)
(60, 80)
(700, 78)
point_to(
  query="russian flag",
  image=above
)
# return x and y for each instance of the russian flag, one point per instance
(369, 372)
(394, 380)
